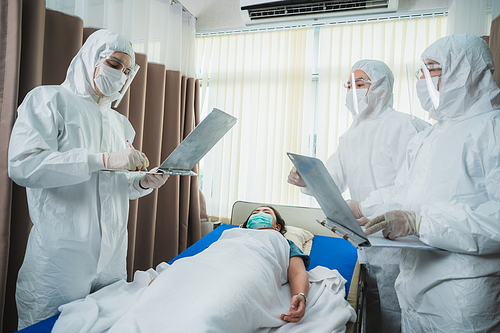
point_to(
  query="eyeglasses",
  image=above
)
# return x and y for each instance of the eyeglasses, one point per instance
(430, 67)
(359, 83)
(114, 63)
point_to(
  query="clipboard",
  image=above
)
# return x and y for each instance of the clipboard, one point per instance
(339, 218)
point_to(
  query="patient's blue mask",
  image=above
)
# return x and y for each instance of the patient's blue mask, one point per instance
(260, 220)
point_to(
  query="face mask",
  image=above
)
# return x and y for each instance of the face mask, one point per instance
(260, 220)
(360, 95)
(423, 92)
(109, 80)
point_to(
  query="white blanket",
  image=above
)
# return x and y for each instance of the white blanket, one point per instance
(237, 285)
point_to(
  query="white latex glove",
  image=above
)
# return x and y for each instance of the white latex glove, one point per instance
(363, 220)
(294, 178)
(396, 223)
(355, 207)
(153, 180)
(126, 159)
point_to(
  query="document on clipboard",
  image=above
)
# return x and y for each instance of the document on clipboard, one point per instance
(197, 144)
(339, 218)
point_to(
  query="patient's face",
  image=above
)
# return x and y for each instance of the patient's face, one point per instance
(269, 211)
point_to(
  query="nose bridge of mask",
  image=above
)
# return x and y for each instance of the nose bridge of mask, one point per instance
(433, 92)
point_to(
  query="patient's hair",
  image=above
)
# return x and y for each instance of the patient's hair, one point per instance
(279, 219)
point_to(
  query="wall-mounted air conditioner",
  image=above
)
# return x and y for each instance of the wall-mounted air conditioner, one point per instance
(261, 11)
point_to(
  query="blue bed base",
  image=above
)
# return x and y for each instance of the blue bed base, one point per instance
(330, 252)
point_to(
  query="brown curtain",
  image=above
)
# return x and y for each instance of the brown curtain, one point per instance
(494, 42)
(36, 48)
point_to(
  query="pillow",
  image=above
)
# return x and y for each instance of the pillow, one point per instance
(301, 237)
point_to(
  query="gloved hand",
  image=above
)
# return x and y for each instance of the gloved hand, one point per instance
(355, 207)
(396, 223)
(153, 180)
(294, 178)
(363, 220)
(126, 159)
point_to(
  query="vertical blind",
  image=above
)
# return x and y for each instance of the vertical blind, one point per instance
(264, 80)
(286, 89)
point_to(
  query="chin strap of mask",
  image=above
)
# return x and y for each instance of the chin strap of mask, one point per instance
(433, 93)
(130, 78)
(354, 95)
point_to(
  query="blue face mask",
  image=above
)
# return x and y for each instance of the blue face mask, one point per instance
(260, 220)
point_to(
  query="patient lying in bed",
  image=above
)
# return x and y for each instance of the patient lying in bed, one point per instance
(239, 284)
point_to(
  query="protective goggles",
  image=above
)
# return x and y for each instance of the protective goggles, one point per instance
(359, 81)
(114, 63)
(430, 68)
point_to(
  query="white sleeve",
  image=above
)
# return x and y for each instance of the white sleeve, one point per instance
(34, 159)
(460, 227)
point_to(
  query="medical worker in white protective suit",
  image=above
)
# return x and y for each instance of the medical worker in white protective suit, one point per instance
(448, 192)
(62, 139)
(368, 157)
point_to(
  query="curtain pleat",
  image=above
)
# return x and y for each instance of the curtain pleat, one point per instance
(166, 243)
(153, 125)
(162, 106)
(494, 42)
(137, 104)
(62, 40)
(10, 57)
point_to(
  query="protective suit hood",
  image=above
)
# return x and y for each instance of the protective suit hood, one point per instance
(379, 97)
(467, 85)
(80, 74)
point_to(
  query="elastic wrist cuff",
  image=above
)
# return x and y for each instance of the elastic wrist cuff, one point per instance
(95, 162)
(142, 187)
(137, 185)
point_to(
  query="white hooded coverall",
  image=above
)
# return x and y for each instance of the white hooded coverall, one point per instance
(78, 242)
(368, 157)
(452, 177)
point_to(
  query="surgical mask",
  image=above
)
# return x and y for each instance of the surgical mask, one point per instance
(423, 92)
(360, 95)
(109, 81)
(260, 220)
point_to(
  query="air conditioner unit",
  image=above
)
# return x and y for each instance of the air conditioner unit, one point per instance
(260, 11)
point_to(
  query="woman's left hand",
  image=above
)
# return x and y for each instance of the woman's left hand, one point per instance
(150, 180)
(297, 310)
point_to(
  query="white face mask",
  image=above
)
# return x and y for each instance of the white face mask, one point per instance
(423, 92)
(360, 95)
(109, 81)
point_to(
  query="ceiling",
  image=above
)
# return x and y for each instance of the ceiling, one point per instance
(225, 14)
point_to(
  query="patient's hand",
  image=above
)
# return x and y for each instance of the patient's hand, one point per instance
(297, 310)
